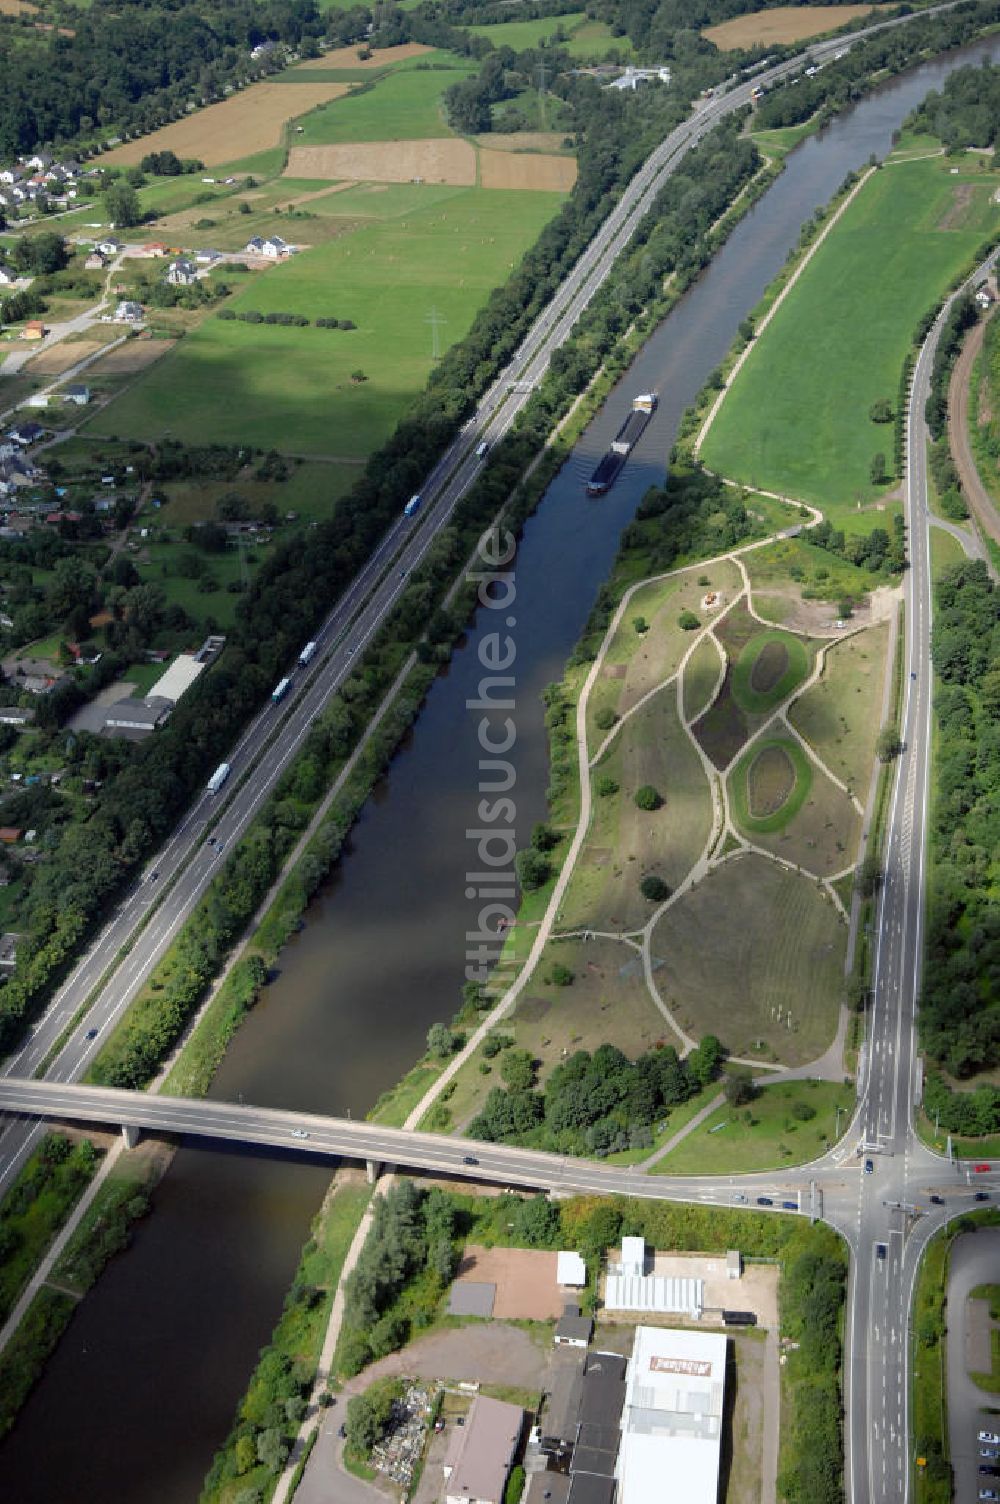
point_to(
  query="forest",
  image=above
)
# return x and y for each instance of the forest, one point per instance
(967, 110)
(960, 1008)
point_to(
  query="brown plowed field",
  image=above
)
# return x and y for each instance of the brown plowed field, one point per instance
(59, 358)
(347, 57)
(787, 23)
(505, 169)
(436, 161)
(248, 122)
(133, 355)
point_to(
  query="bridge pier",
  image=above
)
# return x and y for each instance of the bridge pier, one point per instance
(374, 1170)
(131, 1135)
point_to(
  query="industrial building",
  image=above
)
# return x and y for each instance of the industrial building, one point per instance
(629, 1288)
(481, 1452)
(672, 1418)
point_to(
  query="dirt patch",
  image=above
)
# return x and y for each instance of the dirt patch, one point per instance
(723, 728)
(541, 174)
(786, 23)
(248, 122)
(616, 671)
(16, 8)
(768, 667)
(434, 161)
(769, 782)
(525, 1279)
(59, 358)
(347, 57)
(550, 141)
(953, 217)
(134, 355)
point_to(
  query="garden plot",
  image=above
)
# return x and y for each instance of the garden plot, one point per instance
(754, 954)
(626, 843)
(840, 715)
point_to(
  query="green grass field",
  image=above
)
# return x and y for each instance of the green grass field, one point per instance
(230, 382)
(840, 716)
(523, 34)
(946, 551)
(403, 105)
(756, 695)
(796, 419)
(700, 677)
(748, 941)
(754, 825)
(772, 1132)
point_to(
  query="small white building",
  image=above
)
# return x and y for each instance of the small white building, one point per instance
(129, 312)
(734, 1264)
(570, 1270)
(181, 273)
(633, 1257)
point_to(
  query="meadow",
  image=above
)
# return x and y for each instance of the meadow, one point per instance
(788, 1123)
(799, 424)
(403, 105)
(293, 388)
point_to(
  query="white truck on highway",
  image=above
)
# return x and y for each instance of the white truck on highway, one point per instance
(308, 653)
(219, 777)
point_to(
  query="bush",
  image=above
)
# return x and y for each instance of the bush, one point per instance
(605, 719)
(688, 622)
(648, 798)
(533, 869)
(654, 888)
(881, 411)
(605, 786)
(560, 975)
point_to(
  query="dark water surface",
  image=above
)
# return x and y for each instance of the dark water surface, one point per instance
(144, 1385)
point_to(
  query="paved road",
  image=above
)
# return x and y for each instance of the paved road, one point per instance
(975, 1260)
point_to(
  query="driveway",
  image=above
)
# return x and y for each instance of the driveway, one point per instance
(975, 1260)
(491, 1351)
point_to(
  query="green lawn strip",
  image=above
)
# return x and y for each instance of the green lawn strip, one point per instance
(523, 34)
(777, 142)
(394, 1106)
(946, 552)
(294, 388)
(840, 715)
(274, 1400)
(700, 678)
(596, 40)
(36, 1206)
(105, 1227)
(756, 701)
(23, 1359)
(962, 1148)
(739, 786)
(401, 106)
(766, 1134)
(990, 1381)
(990, 1293)
(800, 425)
(932, 1483)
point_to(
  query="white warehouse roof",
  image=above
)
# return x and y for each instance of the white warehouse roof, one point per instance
(570, 1269)
(654, 1292)
(672, 1420)
(179, 677)
(633, 1256)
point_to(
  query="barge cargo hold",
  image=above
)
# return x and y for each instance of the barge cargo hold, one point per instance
(624, 441)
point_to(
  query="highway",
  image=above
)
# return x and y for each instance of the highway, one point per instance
(133, 940)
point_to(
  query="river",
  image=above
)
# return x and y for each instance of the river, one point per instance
(144, 1385)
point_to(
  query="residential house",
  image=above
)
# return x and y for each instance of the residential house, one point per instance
(263, 49)
(109, 246)
(129, 312)
(16, 715)
(274, 247)
(40, 162)
(481, 1453)
(254, 246)
(34, 329)
(10, 174)
(26, 433)
(10, 834)
(154, 248)
(77, 393)
(984, 298)
(207, 257)
(95, 262)
(181, 273)
(7, 276)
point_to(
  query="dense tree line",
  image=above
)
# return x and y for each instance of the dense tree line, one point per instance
(593, 1104)
(842, 82)
(960, 1008)
(133, 65)
(961, 317)
(879, 551)
(967, 110)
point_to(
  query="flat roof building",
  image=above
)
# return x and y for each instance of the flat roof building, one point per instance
(570, 1270)
(655, 1292)
(672, 1418)
(179, 677)
(481, 1453)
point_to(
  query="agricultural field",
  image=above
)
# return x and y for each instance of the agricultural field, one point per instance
(786, 23)
(755, 954)
(405, 105)
(523, 34)
(840, 715)
(337, 393)
(801, 426)
(626, 843)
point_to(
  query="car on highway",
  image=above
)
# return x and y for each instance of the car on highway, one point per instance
(989, 1472)
(982, 1169)
(790, 1206)
(990, 1453)
(981, 1196)
(881, 1252)
(738, 1196)
(988, 1493)
(937, 1201)
(469, 1159)
(299, 1133)
(991, 1436)
(764, 1201)
(153, 876)
(869, 1167)
(91, 1034)
(912, 675)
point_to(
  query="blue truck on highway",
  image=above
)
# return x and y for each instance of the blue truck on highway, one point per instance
(413, 505)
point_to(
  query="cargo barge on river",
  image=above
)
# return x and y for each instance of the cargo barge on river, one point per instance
(624, 441)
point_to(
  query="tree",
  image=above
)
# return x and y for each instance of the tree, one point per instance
(441, 1041)
(648, 798)
(739, 1088)
(367, 1418)
(640, 624)
(889, 744)
(122, 206)
(869, 876)
(605, 719)
(878, 472)
(688, 622)
(533, 869)
(654, 888)
(705, 1062)
(543, 837)
(518, 1069)
(605, 786)
(881, 411)
(246, 1454)
(536, 1222)
(560, 975)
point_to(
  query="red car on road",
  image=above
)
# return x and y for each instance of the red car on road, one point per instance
(979, 1169)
